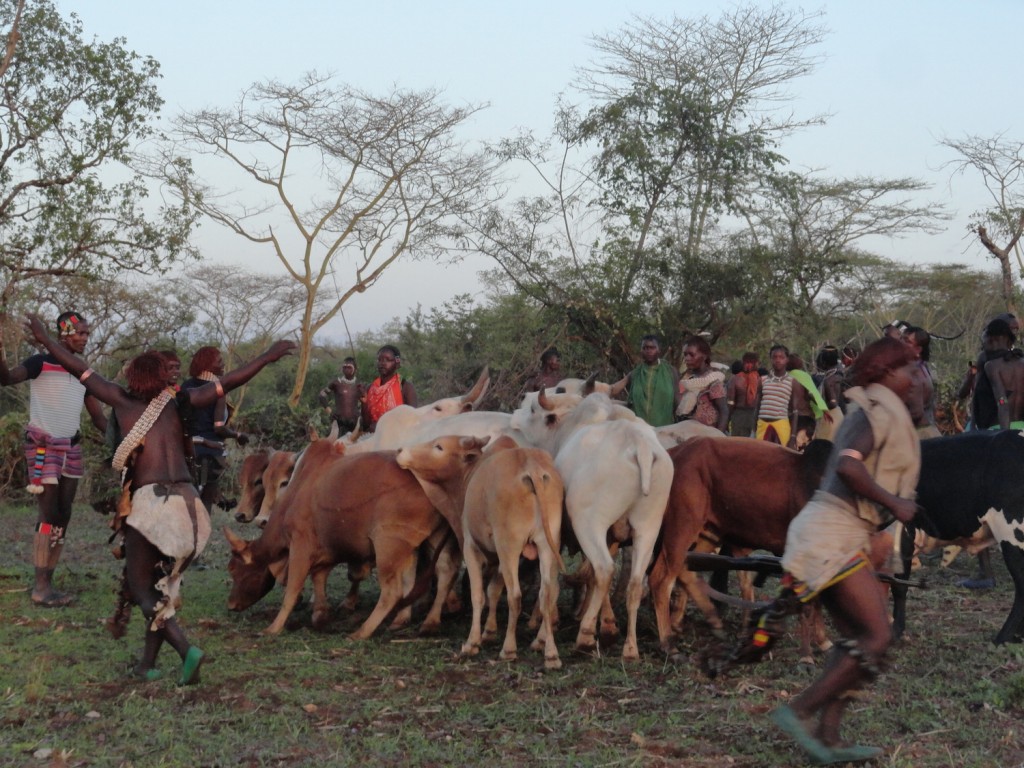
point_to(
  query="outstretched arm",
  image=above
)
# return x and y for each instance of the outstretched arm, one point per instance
(208, 393)
(95, 384)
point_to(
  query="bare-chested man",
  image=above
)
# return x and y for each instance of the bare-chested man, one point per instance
(1005, 369)
(347, 392)
(165, 525)
(921, 400)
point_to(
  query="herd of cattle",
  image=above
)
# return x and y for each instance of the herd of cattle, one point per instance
(443, 483)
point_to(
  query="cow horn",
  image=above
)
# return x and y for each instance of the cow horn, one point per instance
(333, 434)
(311, 433)
(476, 394)
(588, 385)
(543, 402)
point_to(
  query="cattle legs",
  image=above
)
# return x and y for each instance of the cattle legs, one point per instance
(394, 557)
(474, 568)
(1013, 629)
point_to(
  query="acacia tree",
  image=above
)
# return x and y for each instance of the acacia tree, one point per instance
(1000, 163)
(70, 113)
(238, 310)
(339, 183)
(681, 126)
(813, 224)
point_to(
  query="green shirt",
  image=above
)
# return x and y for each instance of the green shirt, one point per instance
(652, 393)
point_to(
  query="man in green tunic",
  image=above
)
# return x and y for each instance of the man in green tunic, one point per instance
(653, 386)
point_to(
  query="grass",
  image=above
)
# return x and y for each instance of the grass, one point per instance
(310, 698)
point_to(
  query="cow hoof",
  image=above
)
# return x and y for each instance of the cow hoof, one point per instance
(587, 649)
(350, 604)
(489, 637)
(806, 665)
(430, 629)
(552, 663)
(630, 654)
(399, 623)
(607, 640)
(321, 620)
(469, 649)
(508, 656)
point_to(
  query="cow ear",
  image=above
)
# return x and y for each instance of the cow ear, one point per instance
(238, 545)
(279, 569)
(311, 433)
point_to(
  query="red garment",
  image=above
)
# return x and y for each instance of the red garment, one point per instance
(748, 381)
(381, 398)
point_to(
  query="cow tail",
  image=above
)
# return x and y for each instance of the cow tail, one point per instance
(645, 462)
(531, 482)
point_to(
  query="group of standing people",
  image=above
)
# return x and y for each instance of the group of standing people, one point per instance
(157, 427)
(169, 454)
(356, 406)
(782, 404)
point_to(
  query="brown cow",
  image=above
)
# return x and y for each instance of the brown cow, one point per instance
(746, 491)
(250, 480)
(361, 509)
(276, 476)
(262, 477)
(510, 503)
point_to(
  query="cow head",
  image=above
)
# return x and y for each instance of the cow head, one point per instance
(276, 476)
(442, 467)
(583, 387)
(250, 579)
(250, 479)
(443, 459)
(541, 415)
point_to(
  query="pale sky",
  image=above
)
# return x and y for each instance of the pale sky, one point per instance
(897, 77)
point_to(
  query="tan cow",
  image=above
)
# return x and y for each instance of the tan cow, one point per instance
(250, 480)
(276, 477)
(510, 503)
(359, 510)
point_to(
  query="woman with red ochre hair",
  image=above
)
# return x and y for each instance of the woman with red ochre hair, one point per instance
(874, 467)
(208, 426)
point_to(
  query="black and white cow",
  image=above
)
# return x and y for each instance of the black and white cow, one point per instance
(970, 480)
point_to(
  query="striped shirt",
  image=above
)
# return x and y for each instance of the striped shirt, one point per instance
(55, 397)
(776, 392)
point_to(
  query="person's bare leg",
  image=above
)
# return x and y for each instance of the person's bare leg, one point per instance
(55, 503)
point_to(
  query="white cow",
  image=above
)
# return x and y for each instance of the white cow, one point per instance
(617, 478)
(394, 425)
